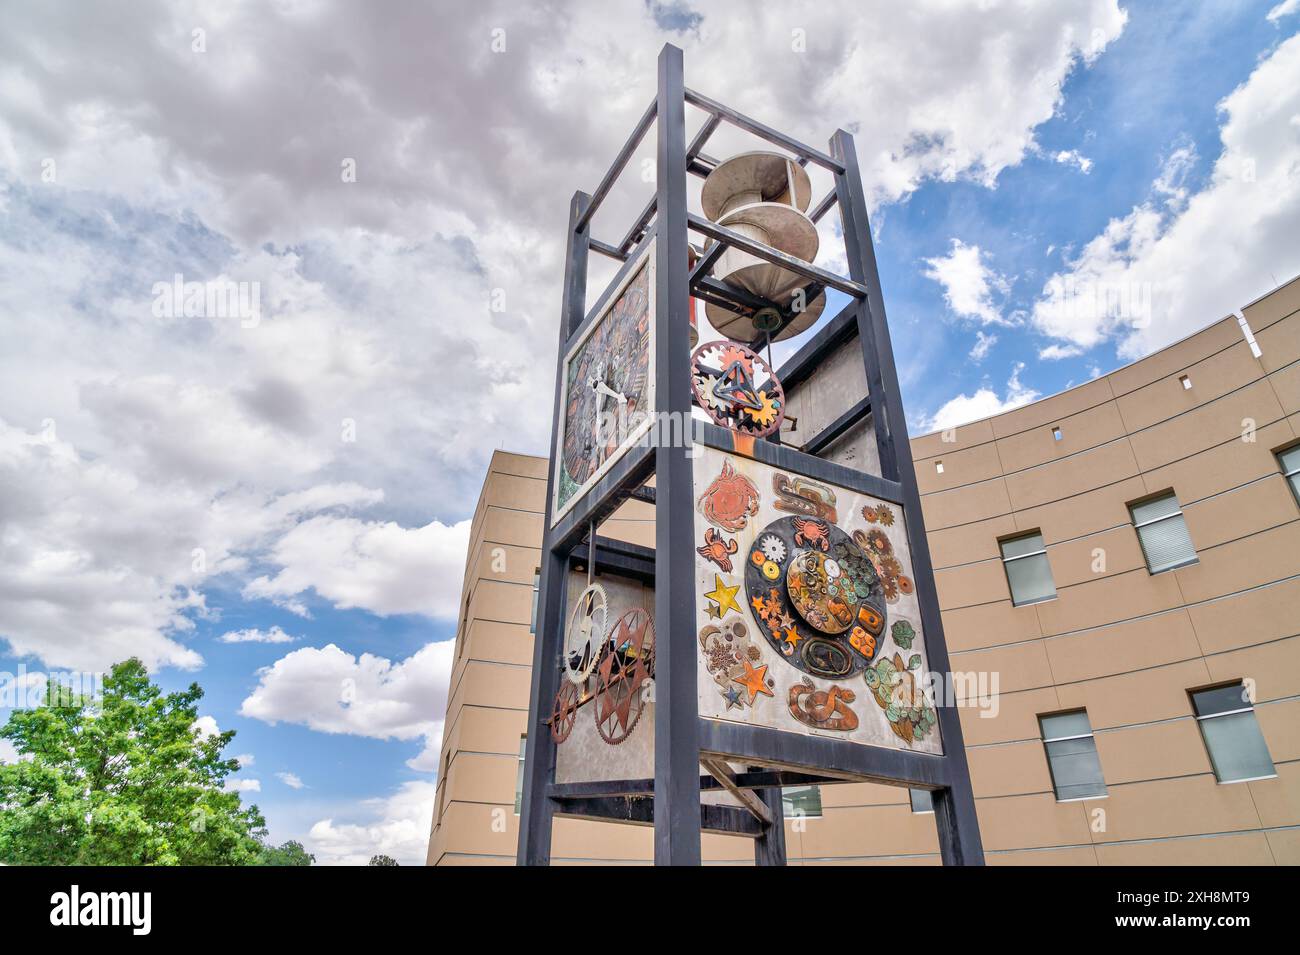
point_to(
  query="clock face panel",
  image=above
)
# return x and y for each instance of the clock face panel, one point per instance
(608, 387)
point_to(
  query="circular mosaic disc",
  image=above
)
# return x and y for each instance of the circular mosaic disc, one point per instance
(824, 594)
(824, 611)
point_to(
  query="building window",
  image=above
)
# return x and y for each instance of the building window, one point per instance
(938, 467)
(1290, 462)
(1186, 382)
(519, 776)
(1072, 756)
(805, 801)
(1231, 733)
(537, 589)
(1028, 573)
(922, 800)
(1163, 533)
(1056, 434)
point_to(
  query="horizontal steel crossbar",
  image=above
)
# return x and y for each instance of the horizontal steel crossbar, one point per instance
(763, 131)
(620, 161)
(768, 254)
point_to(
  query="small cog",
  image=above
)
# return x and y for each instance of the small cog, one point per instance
(773, 548)
(766, 415)
(707, 384)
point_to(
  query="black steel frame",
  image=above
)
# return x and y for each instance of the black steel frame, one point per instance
(692, 753)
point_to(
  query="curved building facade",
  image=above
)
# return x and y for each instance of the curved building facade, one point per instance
(1118, 568)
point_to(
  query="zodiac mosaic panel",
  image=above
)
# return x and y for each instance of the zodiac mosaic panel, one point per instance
(806, 611)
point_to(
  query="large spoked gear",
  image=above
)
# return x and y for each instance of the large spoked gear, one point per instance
(626, 667)
(564, 713)
(737, 388)
(585, 637)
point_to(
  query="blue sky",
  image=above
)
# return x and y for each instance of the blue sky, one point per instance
(128, 439)
(1155, 91)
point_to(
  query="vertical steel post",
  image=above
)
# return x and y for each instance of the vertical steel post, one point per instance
(677, 746)
(538, 809)
(769, 848)
(954, 807)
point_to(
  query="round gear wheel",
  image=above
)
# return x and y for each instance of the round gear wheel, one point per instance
(737, 388)
(626, 666)
(564, 713)
(773, 548)
(585, 636)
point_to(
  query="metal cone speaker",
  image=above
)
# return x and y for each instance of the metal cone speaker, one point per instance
(783, 228)
(762, 196)
(755, 177)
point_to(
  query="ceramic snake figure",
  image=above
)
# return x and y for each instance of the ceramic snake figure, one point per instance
(819, 708)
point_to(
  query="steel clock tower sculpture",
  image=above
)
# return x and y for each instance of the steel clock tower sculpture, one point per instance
(784, 629)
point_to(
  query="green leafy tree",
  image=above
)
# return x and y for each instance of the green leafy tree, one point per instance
(291, 853)
(126, 780)
(382, 860)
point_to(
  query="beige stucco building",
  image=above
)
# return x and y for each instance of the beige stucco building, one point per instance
(1111, 553)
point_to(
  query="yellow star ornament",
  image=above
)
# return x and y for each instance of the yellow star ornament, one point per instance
(723, 596)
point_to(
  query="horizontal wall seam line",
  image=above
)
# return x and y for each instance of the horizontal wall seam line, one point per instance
(1113, 397)
(1056, 848)
(1155, 424)
(1123, 726)
(1141, 472)
(1114, 527)
(1115, 623)
(1132, 570)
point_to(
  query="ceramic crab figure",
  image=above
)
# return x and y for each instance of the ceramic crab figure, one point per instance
(717, 549)
(730, 501)
(812, 533)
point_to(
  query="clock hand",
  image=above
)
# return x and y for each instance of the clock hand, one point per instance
(603, 389)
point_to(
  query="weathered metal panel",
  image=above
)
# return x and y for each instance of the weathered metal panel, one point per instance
(585, 756)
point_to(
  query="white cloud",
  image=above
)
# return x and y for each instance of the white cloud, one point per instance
(1184, 258)
(985, 402)
(102, 562)
(397, 825)
(1057, 352)
(291, 780)
(206, 726)
(969, 283)
(333, 691)
(90, 573)
(179, 434)
(245, 760)
(254, 635)
(983, 342)
(8, 752)
(1072, 157)
(1283, 9)
(1174, 171)
(243, 786)
(381, 567)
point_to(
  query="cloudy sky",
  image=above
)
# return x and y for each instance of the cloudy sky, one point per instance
(278, 507)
